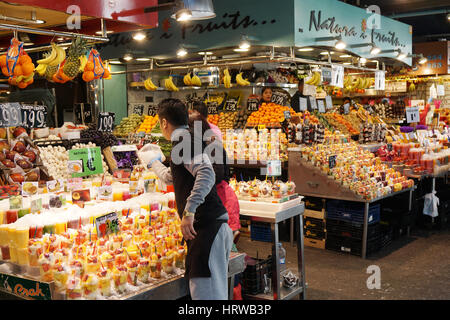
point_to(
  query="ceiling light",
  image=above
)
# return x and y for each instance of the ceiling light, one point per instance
(345, 56)
(240, 50)
(244, 44)
(363, 60)
(183, 15)
(39, 21)
(324, 53)
(401, 55)
(305, 49)
(208, 53)
(107, 32)
(182, 52)
(139, 36)
(142, 59)
(375, 50)
(347, 63)
(127, 57)
(448, 16)
(340, 45)
(114, 62)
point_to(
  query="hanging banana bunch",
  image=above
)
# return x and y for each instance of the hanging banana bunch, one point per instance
(241, 81)
(149, 85)
(227, 79)
(168, 83)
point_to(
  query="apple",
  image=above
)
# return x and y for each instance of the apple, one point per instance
(2, 133)
(2, 156)
(18, 131)
(17, 177)
(4, 146)
(8, 163)
(19, 147)
(24, 164)
(30, 155)
(32, 176)
(10, 154)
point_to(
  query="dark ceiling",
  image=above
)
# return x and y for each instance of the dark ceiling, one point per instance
(428, 17)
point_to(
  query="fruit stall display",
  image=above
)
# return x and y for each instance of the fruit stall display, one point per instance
(269, 114)
(226, 120)
(128, 125)
(148, 124)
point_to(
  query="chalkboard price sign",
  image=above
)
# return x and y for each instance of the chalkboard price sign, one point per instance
(83, 113)
(106, 121)
(231, 105)
(152, 110)
(252, 104)
(280, 98)
(138, 109)
(33, 116)
(212, 107)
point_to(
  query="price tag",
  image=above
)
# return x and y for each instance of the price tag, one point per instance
(440, 90)
(273, 168)
(280, 98)
(33, 116)
(287, 114)
(252, 104)
(261, 127)
(212, 107)
(152, 110)
(303, 104)
(55, 186)
(321, 106)
(346, 108)
(313, 103)
(337, 76)
(332, 161)
(329, 102)
(29, 188)
(106, 121)
(10, 114)
(326, 75)
(105, 193)
(231, 105)
(309, 90)
(380, 83)
(79, 197)
(107, 224)
(85, 162)
(138, 109)
(412, 114)
(83, 112)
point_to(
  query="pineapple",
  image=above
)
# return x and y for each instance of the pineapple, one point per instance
(50, 71)
(73, 63)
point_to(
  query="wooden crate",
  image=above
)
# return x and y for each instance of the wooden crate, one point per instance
(315, 214)
(320, 244)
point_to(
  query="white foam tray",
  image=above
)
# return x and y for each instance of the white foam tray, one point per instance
(266, 209)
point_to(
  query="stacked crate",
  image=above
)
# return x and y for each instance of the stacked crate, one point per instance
(314, 228)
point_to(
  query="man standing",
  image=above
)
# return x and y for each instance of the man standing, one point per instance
(204, 218)
(295, 100)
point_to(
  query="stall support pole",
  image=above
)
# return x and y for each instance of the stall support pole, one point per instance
(408, 229)
(276, 262)
(292, 231)
(300, 257)
(366, 220)
(433, 187)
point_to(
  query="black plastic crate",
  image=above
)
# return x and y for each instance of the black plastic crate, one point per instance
(352, 246)
(253, 275)
(353, 230)
(313, 223)
(315, 234)
(352, 211)
(313, 203)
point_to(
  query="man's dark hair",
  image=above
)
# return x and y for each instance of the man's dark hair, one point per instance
(174, 111)
(200, 107)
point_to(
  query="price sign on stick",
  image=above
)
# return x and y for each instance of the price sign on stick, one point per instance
(106, 121)
(412, 114)
(252, 104)
(231, 105)
(10, 114)
(33, 116)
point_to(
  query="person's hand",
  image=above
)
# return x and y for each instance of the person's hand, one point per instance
(187, 228)
(148, 157)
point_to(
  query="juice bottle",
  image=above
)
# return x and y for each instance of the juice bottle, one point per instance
(22, 236)
(11, 216)
(2, 217)
(23, 257)
(117, 195)
(22, 212)
(60, 227)
(35, 232)
(13, 254)
(4, 242)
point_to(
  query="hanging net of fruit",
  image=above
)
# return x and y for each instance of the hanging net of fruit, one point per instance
(74, 63)
(17, 65)
(95, 68)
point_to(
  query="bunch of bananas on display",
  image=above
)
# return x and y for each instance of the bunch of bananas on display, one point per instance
(412, 87)
(168, 83)
(149, 85)
(194, 81)
(227, 79)
(187, 79)
(357, 83)
(241, 81)
(315, 79)
(48, 65)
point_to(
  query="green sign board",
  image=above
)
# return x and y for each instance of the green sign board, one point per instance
(26, 288)
(85, 162)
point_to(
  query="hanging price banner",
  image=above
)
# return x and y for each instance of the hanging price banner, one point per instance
(303, 104)
(321, 106)
(412, 114)
(313, 103)
(380, 83)
(346, 108)
(326, 75)
(33, 116)
(329, 102)
(106, 121)
(337, 76)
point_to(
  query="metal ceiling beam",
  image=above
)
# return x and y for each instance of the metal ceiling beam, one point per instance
(419, 13)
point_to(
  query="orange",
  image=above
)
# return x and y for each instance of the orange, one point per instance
(3, 61)
(25, 59)
(63, 76)
(88, 76)
(27, 68)
(18, 70)
(106, 74)
(89, 66)
(55, 78)
(22, 85)
(5, 71)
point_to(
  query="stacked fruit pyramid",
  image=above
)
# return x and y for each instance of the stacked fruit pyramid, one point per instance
(148, 124)
(269, 114)
(128, 125)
